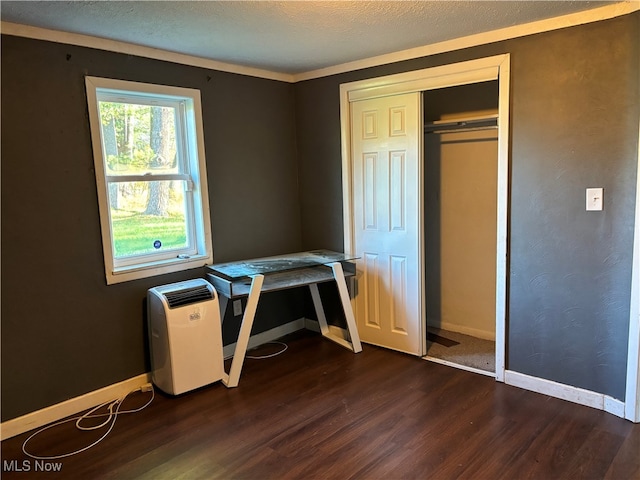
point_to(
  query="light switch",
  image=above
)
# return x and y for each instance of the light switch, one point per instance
(594, 198)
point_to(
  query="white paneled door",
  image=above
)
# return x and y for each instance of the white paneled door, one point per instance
(386, 154)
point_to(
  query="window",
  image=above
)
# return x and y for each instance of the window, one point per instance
(150, 171)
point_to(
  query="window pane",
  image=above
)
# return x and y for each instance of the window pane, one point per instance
(151, 171)
(147, 217)
(138, 139)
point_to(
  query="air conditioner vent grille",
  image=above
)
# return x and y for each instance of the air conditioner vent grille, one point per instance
(187, 296)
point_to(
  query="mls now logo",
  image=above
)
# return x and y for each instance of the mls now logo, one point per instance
(27, 466)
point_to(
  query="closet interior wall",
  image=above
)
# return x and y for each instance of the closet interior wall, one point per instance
(460, 211)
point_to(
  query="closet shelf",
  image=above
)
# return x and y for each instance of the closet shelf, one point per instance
(472, 123)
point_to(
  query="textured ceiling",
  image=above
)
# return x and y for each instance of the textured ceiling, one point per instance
(288, 37)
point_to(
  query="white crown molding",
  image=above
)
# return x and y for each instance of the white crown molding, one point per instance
(556, 23)
(58, 36)
(580, 18)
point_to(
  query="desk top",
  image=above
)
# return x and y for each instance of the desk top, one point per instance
(279, 263)
(233, 279)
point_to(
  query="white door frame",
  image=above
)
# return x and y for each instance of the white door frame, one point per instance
(632, 397)
(463, 73)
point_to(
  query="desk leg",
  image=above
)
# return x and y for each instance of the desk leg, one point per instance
(233, 378)
(346, 306)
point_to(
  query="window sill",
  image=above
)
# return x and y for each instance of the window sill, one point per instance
(152, 269)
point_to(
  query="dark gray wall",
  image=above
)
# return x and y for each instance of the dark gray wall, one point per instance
(574, 124)
(64, 331)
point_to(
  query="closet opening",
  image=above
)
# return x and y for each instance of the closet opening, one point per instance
(460, 224)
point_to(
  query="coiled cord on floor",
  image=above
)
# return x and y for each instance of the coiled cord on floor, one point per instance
(113, 406)
(271, 355)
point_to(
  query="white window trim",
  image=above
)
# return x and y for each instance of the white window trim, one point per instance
(195, 147)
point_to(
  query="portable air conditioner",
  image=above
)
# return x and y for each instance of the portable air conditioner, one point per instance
(185, 336)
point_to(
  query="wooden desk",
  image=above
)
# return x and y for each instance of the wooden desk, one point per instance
(249, 278)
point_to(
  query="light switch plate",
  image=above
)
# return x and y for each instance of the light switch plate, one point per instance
(594, 198)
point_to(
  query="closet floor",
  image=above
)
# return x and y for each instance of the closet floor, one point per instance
(461, 349)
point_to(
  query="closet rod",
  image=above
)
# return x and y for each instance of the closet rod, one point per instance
(462, 124)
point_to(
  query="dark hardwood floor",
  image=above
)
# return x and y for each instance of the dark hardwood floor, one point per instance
(319, 411)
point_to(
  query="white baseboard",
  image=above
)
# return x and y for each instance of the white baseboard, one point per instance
(265, 337)
(474, 332)
(565, 392)
(614, 406)
(53, 413)
(312, 325)
(56, 412)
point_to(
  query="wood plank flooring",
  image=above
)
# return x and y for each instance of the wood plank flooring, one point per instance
(319, 411)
